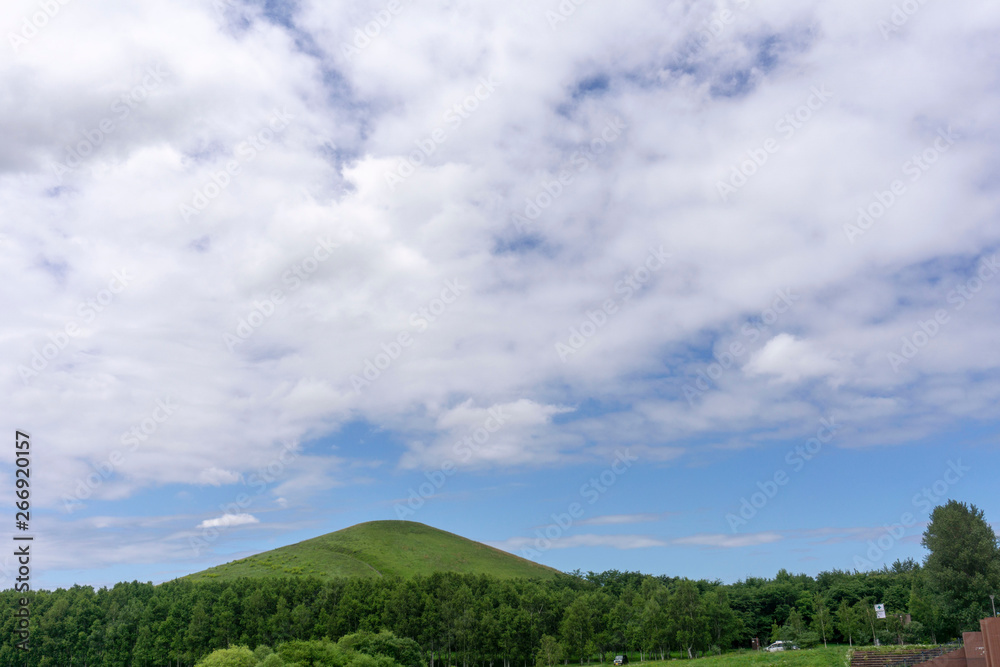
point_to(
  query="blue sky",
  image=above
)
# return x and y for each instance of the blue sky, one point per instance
(705, 289)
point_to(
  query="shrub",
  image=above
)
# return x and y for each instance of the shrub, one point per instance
(400, 650)
(241, 656)
(324, 653)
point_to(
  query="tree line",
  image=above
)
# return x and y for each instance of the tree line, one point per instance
(483, 621)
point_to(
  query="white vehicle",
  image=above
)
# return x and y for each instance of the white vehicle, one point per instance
(782, 646)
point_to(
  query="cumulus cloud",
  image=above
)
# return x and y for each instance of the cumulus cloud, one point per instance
(790, 360)
(504, 434)
(217, 477)
(356, 262)
(232, 211)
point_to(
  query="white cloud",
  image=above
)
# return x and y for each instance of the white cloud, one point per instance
(504, 434)
(691, 116)
(718, 541)
(217, 477)
(790, 359)
(229, 520)
(196, 281)
(722, 541)
(624, 542)
(618, 519)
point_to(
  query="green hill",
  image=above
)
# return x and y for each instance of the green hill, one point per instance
(380, 548)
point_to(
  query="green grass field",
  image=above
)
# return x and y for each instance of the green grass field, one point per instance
(380, 548)
(834, 656)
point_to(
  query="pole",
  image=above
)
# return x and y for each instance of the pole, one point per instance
(994, 605)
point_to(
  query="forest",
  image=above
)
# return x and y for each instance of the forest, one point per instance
(483, 621)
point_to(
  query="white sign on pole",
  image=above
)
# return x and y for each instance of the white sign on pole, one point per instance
(880, 611)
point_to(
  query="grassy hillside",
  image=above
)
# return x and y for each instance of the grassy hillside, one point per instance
(380, 548)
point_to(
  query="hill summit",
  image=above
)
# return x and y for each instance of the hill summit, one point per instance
(377, 549)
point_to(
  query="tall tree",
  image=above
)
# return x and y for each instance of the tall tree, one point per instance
(821, 616)
(199, 630)
(549, 652)
(924, 609)
(963, 566)
(577, 627)
(656, 630)
(848, 622)
(722, 621)
(865, 610)
(688, 613)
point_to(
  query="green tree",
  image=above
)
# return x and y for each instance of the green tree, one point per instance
(402, 650)
(257, 610)
(301, 623)
(794, 630)
(848, 622)
(281, 621)
(225, 613)
(241, 656)
(623, 621)
(821, 616)
(315, 652)
(577, 627)
(925, 610)
(199, 630)
(963, 566)
(656, 623)
(688, 615)
(549, 652)
(722, 621)
(144, 652)
(865, 610)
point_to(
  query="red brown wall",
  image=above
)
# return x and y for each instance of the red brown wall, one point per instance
(991, 640)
